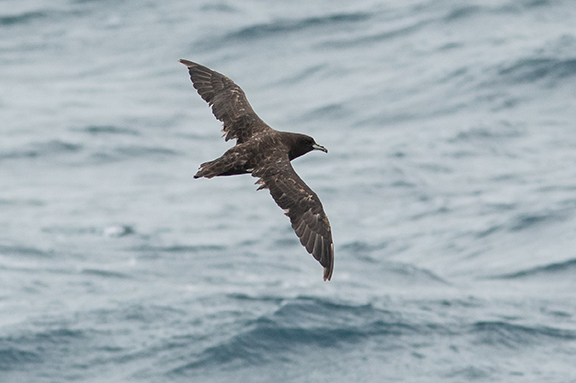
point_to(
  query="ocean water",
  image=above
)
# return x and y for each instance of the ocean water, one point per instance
(450, 184)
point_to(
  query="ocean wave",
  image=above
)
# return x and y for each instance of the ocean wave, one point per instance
(17, 352)
(98, 154)
(179, 248)
(54, 13)
(11, 357)
(302, 75)
(282, 26)
(552, 270)
(363, 247)
(22, 18)
(514, 6)
(520, 5)
(328, 112)
(42, 149)
(304, 322)
(498, 132)
(145, 151)
(526, 221)
(311, 326)
(397, 273)
(401, 30)
(523, 221)
(21, 202)
(120, 153)
(528, 70)
(105, 273)
(462, 12)
(22, 250)
(108, 129)
(499, 333)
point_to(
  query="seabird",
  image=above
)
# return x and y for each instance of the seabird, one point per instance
(266, 154)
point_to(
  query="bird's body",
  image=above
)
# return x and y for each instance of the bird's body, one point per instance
(266, 154)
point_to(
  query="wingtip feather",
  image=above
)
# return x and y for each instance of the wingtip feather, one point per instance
(327, 274)
(330, 268)
(188, 63)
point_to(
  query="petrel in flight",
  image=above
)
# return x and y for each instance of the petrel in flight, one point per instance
(266, 154)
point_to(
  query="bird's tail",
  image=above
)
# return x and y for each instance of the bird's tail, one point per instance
(210, 169)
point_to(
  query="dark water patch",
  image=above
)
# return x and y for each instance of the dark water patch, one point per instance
(181, 248)
(70, 230)
(261, 298)
(105, 273)
(87, 1)
(42, 149)
(454, 74)
(152, 316)
(497, 133)
(470, 373)
(522, 5)
(150, 251)
(128, 152)
(23, 18)
(17, 352)
(286, 26)
(527, 221)
(145, 151)
(284, 243)
(414, 274)
(552, 270)
(21, 202)
(488, 231)
(359, 247)
(313, 312)
(108, 129)
(147, 314)
(462, 12)
(57, 336)
(219, 7)
(334, 112)
(13, 357)
(449, 46)
(402, 183)
(303, 75)
(23, 250)
(530, 70)
(467, 11)
(400, 31)
(534, 3)
(498, 333)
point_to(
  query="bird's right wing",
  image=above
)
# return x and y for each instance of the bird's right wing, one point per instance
(228, 101)
(302, 206)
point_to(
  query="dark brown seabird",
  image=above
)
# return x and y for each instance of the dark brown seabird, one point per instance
(266, 154)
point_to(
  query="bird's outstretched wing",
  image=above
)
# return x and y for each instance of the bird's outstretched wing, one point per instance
(228, 101)
(301, 205)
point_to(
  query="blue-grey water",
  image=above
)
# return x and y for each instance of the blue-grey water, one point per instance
(450, 184)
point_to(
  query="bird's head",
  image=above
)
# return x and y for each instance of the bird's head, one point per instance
(302, 145)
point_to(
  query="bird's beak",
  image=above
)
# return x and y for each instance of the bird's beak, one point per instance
(318, 147)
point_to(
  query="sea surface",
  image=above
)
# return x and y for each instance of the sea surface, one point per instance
(450, 184)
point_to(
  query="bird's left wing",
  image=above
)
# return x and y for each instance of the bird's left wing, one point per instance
(228, 101)
(301, 205)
